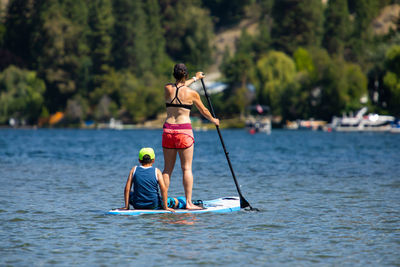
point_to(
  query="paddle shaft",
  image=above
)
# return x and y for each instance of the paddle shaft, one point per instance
(243, 202)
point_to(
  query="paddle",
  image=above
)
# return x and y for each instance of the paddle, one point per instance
(243, 202)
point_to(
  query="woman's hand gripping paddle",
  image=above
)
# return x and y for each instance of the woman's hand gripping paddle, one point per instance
(243, 202)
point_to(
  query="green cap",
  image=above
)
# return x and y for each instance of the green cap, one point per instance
(146, 151)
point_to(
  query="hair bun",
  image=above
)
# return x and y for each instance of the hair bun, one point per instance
(180, 71)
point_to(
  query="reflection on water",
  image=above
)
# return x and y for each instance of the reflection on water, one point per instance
(325, 199)
(179, 218)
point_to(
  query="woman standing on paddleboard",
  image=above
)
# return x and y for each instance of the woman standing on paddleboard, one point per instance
(177, 135)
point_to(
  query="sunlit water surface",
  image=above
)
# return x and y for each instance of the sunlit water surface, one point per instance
(324, 199)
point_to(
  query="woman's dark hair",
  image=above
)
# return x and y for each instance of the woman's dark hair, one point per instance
(146, 159)
(180, 71)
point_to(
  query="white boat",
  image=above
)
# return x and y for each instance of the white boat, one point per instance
(258, 120)
(362, 122)
(395, 127)
(259, 126)
(113, 124)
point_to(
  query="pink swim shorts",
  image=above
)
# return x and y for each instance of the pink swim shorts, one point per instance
(177, 136)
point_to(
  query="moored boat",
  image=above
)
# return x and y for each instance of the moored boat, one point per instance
(361, 122)
(395, 127)
(258, 119)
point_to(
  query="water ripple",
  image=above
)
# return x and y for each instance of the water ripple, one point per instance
(326, 199)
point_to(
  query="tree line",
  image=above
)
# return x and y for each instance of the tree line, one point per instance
(316, 60)
(97, 59)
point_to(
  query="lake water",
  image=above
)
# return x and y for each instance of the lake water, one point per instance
(330, 199)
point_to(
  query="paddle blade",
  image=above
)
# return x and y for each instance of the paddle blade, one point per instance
(244, 203)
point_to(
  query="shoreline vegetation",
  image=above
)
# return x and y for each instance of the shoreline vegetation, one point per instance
(368, 123)
(78, 63)
(197, 124)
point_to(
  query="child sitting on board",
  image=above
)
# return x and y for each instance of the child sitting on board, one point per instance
(146, 180)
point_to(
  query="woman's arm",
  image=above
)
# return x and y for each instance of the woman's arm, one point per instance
(128, 188)
(203, 110)
(199, 75)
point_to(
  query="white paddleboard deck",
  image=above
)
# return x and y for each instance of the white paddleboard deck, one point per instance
(224, 204)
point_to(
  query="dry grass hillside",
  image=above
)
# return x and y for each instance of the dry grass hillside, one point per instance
(386, 20)
(227, 38)
(3, 4)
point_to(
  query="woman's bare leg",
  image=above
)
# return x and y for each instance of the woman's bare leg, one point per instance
(186, 157)
(169, 163)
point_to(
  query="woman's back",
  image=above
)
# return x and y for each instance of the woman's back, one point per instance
(178, 99)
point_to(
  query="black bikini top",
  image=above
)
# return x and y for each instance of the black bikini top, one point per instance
(180, 105)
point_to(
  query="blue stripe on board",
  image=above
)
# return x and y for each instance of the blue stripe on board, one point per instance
(133, 212)
(210, 209)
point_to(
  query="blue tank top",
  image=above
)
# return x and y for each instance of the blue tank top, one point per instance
(145, 188)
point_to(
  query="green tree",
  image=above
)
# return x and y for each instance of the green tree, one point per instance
(245, 45)
(262, 40)
(379, 94)
(300, 96)
(141, 49)
(76, 110)
(101, 22)
(356, 87)
(123, 34)
(2, 33)
(105, 109)
(325, 87)
(108, 96)
(18, 36)
(2, 26)
(275, 71)
(124, 96)
(238, 72)
(326, 93)
(294, 101)
(340, 89)
(296, 23)
(226, 12)
(63, 57)
(265, 6)
(362, 35)
(336, 27)
(159, 60)
(139, 44)
(2, 11)
(21, 95)
(365, 11)
(188, 32)
(391, 79)
(304, 61)
(142, 103)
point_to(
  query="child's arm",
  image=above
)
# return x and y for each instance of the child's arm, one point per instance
(128, 188)
(164, 191)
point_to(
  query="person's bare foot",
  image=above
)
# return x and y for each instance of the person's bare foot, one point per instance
(190, 206)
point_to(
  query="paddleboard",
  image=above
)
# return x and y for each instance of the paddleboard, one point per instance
(224, 204)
